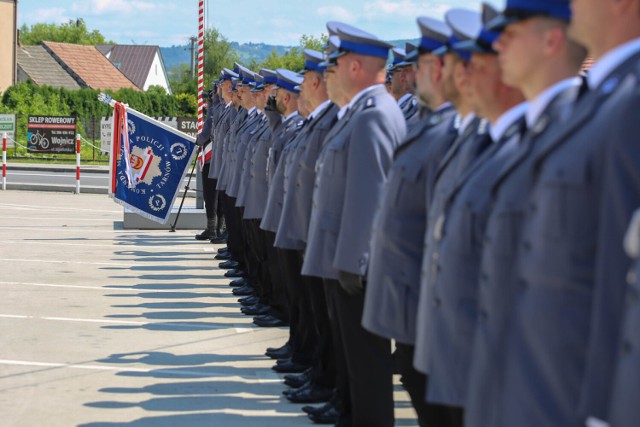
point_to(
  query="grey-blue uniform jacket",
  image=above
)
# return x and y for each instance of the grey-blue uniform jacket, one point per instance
(498, 278)
(285, 166)
(255, 198)
(244, 135)
(222, 127)
(230, 140)
(568, 311)
(472, 140)
(352, 170)
(397, 241)
(625, 395)
(453, 287)
(296, 209)
(245, 179)
(275, 166)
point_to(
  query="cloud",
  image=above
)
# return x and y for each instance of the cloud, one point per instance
(404, 8)
(100, 7)
(336, 13)
(53, 14)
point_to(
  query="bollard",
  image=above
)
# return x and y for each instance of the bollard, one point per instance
(4, 161)
(78, 164)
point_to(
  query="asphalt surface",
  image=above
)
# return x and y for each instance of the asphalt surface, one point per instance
(108, 327)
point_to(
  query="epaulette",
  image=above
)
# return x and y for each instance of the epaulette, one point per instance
(370, 102)
(483, 127)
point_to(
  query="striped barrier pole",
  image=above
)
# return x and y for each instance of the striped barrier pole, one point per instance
(200, 64)
(78, 146)
(4, 161)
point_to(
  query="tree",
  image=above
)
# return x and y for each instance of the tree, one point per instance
(218, 54)
(70, 32)
(293, 59)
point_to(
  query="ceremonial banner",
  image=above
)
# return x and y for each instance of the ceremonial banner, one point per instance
(148, 163)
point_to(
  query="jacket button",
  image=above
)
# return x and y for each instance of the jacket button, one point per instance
(627, 347)
(526, 245)
(523, 283)
(437, 302)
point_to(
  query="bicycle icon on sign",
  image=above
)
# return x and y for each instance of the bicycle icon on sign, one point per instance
(39, 140)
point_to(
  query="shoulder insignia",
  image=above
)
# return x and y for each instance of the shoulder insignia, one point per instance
(370, 102)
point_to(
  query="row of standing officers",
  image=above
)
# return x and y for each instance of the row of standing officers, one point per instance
(463, 226)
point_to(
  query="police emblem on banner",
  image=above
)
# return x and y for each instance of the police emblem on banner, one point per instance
(149, 162)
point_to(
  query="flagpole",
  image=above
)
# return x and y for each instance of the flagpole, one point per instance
(200, 99)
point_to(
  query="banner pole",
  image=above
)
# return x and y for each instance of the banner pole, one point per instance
(78, 163)
(200, 122)
(4, 161)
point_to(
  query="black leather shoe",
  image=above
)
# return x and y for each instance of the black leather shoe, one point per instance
(205, 235)
(282, 347)
(222, 238)
(223, 249)
(312, 394)
(223, 256)
(229, 264)
(330, 416)
(255, 310)
(317, 409)
(270, 322)
(290, 391)
(284, 353)
(249, 300)
(297, 381)
(243, 291)
(238, 282)
(289, 367)
(234, 273)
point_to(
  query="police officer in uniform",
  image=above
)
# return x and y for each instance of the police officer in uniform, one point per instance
(351, 171)
(399, 226)
(567, 313)
(547, 77)
(452, 284)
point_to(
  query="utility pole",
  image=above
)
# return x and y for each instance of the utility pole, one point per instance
(193, 41)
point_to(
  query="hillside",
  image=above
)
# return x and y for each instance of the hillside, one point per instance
(176, 55)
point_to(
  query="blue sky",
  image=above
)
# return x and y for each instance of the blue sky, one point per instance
(169, 22)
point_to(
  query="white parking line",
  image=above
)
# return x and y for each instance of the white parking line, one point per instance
(40, 261)
(119, 322)
(96, 288)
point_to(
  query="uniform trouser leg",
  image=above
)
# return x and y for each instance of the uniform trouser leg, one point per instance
(279, 302)
(243, 239)
(369, 365)
(251, 259)
(258, 246)
(303, 333)
(342, 397)
(415, 382)
(234, 241)
(324, 365)
(209, 193)
(228, 218)
(219, 206)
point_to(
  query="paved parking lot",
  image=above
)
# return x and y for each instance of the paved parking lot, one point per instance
(101, 326)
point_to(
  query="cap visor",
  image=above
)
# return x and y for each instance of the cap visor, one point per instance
(500, 22)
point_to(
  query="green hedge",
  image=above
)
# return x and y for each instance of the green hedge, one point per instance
(24, 99)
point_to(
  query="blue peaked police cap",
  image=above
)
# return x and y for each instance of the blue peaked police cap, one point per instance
(465, 25)
(313, 61)
(288, 80)
(227, 74)
(411, 51)
(269, 76)
(519, 10)
(434, 35)
(483, 42)
(354, 40)
(398, 55)
(333, 45)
